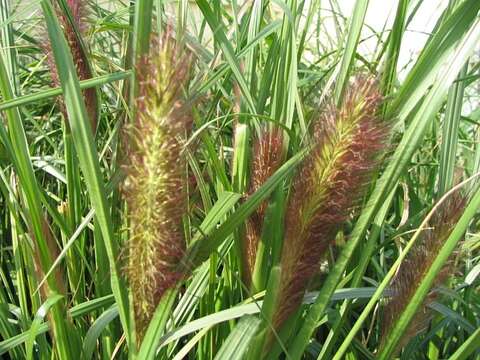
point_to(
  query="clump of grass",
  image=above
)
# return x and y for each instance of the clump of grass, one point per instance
(266, 159)
(154, 188)
(415, 267)
(346, 145)
(254, 62)
(75, 29)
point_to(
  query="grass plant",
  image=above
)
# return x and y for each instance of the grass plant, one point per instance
(238, 180)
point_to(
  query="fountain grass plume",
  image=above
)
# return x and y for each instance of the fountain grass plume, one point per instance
(415, 267)
(266, 159)
(347, 142)
(155, 184)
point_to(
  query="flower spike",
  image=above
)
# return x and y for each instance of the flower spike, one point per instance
(347, 143)
(154, 188)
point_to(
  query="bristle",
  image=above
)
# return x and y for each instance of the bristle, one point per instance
(415, 267)
(266, 159)
(154, 188)
(347, 142)
(79, 12)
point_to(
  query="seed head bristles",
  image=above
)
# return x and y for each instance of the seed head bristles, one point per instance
(79, 11)
(416, 265)
(266, 159)
(331, 181)
(155, 185)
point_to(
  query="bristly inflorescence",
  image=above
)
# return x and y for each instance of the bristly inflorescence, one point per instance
(347, 142)
(266, 159)
(74, 32)
(154, 188)
(416, 265)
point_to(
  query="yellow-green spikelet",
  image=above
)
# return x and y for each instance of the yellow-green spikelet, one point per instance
(154, 188)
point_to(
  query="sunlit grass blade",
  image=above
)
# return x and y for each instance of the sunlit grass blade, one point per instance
(237, 343)
(228, 51)
(356, 24)
(451, 122)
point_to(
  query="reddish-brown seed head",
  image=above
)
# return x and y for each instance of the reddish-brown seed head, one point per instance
(415, 266)
(331, 181)
(267, 156)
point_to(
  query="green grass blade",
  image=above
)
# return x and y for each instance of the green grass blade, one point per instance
(76, 311)
(395, 41)
(37, 322)
(90, 341)
(468, 347)
(8, 43)
(18, 149)
(88, 158)
(142, 28)
(430, 63)
(155, 330)
(228, 51)
(50, 93)
(237, 343)
(269, 305)
(354, 31)
(286, 72)
(451, 122)
(366, 251)
(254, 306)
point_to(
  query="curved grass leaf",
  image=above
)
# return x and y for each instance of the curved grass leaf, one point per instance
(37, 322)
(237, 343)
(251, 308)
(93, 333)
(47, 94)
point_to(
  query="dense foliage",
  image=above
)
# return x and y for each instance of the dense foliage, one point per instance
(238, 180)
